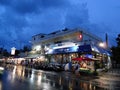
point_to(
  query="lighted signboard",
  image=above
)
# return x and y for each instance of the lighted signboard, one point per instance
(80, 37)
(13, 50)
(83, 48)
(65, 50)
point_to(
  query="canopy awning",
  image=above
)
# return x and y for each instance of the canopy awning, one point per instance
(77, 59)
(33, 56)
(79, 49)
(84, 48)
(84, 59)
(100, 50)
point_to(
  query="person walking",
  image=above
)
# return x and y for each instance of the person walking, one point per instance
(77, 68)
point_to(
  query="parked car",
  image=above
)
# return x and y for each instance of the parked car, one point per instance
(55, 67)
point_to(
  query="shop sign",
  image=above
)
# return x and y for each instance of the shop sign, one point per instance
(66, 50)
(84, 48)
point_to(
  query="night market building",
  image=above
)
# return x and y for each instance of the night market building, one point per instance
(65, 45)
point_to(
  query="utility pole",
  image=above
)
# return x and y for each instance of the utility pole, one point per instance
(2, 49)
(106, 38)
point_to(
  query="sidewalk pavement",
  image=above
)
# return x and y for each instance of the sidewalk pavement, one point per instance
(115, 72)
(111, 75)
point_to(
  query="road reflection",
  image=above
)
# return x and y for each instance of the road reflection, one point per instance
(22, 78)
(0, 85)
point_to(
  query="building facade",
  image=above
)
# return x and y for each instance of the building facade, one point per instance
(63, 45)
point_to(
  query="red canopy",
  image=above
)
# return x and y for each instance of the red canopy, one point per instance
(77, 59)
(82, 59)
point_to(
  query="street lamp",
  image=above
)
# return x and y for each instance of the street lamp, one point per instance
(102, 44)
(13, 50)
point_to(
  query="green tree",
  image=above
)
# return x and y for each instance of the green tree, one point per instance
(17, 52)
(116, 51)
(4, 53)
(118, 40)
(26, 48)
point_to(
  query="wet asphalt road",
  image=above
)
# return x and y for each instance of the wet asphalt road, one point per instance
(22, 78)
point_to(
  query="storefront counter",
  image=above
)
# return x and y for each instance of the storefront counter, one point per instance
(85, 71)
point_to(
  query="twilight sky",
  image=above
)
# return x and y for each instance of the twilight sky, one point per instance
(21, 19)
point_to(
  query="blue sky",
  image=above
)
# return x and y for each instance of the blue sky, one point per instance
(21, 19)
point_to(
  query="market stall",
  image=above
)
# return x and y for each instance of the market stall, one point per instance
(87, 65)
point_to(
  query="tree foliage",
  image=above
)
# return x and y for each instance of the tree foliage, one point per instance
(116, 51)
(4, 53)
(118, 40)
(26, 48)
(23, 50)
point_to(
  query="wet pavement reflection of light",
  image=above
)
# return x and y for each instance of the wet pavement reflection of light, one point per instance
(21, 78)
(0, 85)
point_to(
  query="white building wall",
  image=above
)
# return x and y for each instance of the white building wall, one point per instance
(68, 37)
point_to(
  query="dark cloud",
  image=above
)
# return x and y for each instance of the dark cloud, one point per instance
(21, 19)
(32, 6)
(55, 3)
(13, 20)
(5, 2)
(26, 6)
(10, 21)
(22, 6)
(77, 16)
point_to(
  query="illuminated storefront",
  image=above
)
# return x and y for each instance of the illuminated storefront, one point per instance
(63, 45)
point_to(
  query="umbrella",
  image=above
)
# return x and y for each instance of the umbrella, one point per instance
(77, 59)
(87, 59)
(83, 59)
